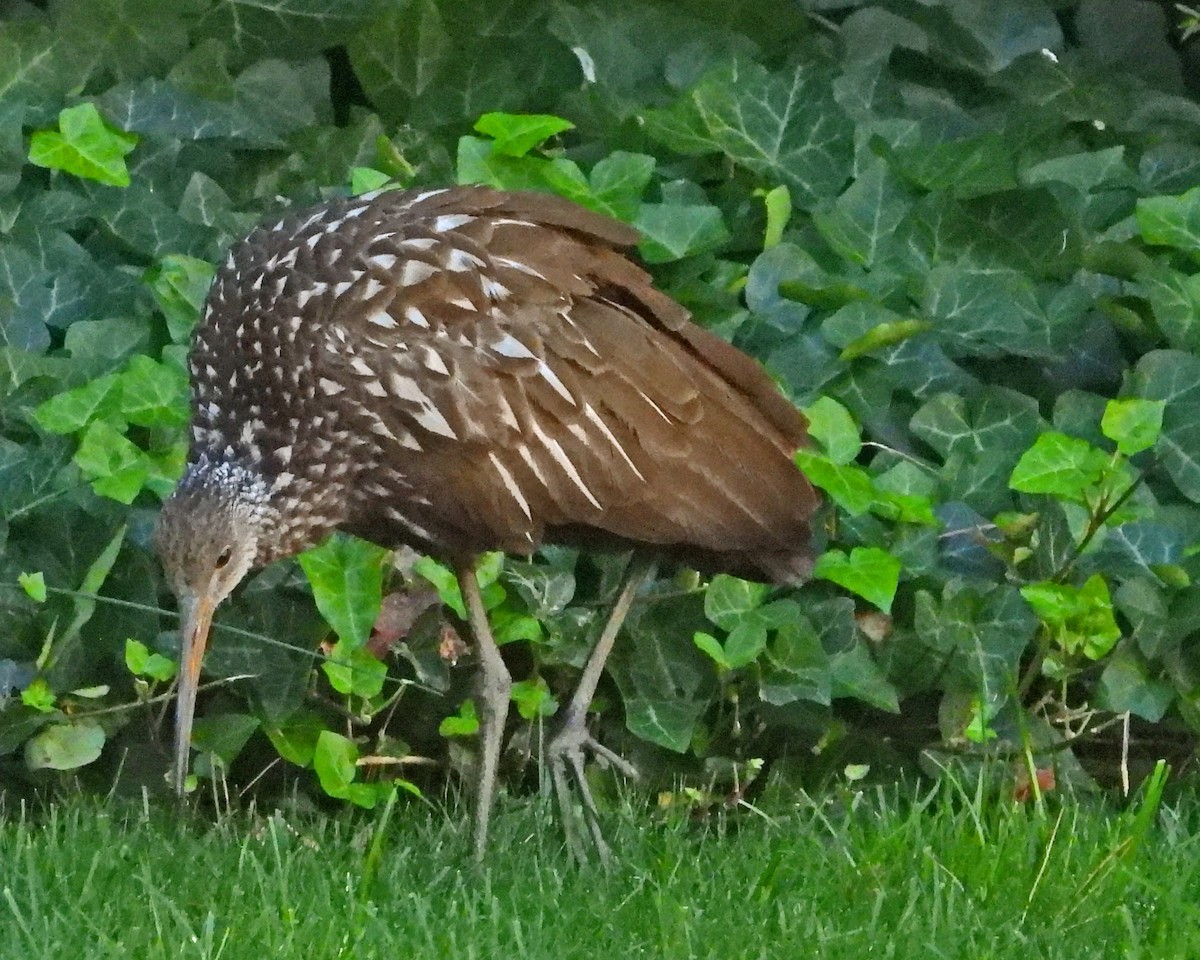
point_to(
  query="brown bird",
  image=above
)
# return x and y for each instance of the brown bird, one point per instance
(466, 370)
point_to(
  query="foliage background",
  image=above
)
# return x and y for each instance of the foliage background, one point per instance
(991, 229)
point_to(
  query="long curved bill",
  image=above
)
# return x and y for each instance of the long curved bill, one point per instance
(197, 615)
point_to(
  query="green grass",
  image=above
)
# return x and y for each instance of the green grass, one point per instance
(943, 874)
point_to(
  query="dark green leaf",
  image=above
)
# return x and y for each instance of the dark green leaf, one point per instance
(1171, 221)
(672, 231)
(855, 673)
(1126, 686)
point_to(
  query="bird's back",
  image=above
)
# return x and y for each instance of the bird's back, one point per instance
(467, 370)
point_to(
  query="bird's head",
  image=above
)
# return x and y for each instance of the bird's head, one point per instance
(208, 538)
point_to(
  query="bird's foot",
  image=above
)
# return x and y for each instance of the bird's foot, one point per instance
(565, 758)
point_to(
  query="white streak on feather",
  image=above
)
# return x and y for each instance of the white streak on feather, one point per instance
(510, 484)
(560, 457)
(596, 420)
(552, 378)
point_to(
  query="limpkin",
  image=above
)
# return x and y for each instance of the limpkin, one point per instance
(466, 370)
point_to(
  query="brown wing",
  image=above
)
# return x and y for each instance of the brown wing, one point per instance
(527, 383)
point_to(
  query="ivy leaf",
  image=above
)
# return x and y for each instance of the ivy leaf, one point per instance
(831, 425)
(335, 762)
(74, 409)
(708, 644)
(366, 179)
(870, 572)
(353, 671)
(515, 134)
(1133, 424)
(729, 599)
(463, 724)
(533, 698)
(848, 486)
(116, 467)
(85, 146)
(346, 575)
(64, 746)
(39, 696)
(142, 663)
(673, 231)
(1171, 221)
(1059, 465)
(34, 585)
(179, 284)
(154, 394)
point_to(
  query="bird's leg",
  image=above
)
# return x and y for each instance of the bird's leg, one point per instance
(495, 687)
(566, 747)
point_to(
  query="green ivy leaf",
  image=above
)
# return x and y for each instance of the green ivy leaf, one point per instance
(64, 746)
(142, 663)
(728, 599)
(116, 467)
(1171, 221)
(848, 486)
(870, 572)
(1133, 424)
(445, 582)
(1060, 465)
(673, 231)
(745, 642)
(335, 762)
(353, 671)
(463, 724)
(34, 585)
(856, 674)
(39, 696)
(296, 739)
(85, 146)
(533, 699)
(179, 284)
(831, 425)
(154, 394)
(346, 575)
(1079, 619)
(366, 179)
(73, 410)
(709, 645)
(515, 134)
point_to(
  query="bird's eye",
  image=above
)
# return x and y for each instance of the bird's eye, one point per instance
(224, 558)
